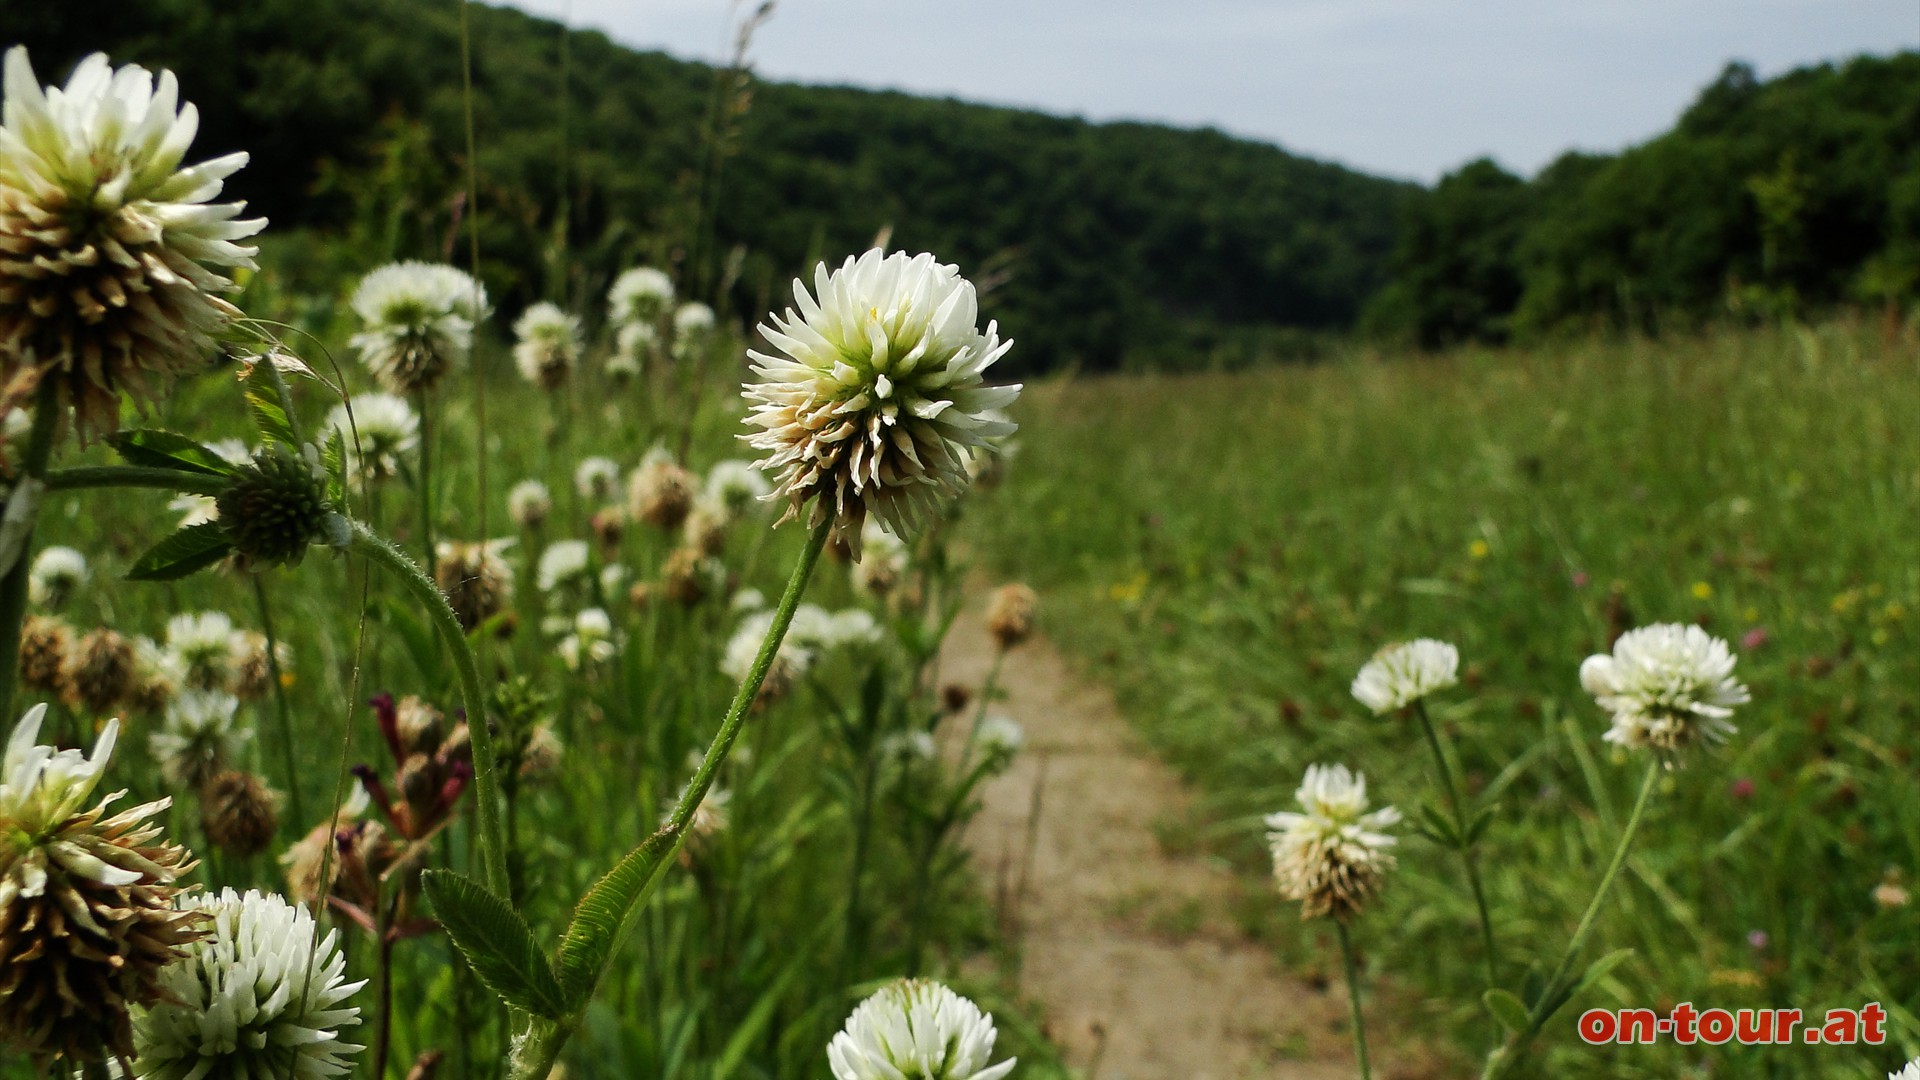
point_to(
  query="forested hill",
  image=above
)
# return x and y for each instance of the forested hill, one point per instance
(1766, 200)
(1106, 244)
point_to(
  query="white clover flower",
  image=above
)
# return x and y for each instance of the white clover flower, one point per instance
(640, 295)
(418, 321)
(916, 1029)
(1001, 734)
(735, 485)
(879, 389)
(1911, 1072)
(55, 574)
(882, 562)
(597, 478)
(1669, 687)
(909, 747)
(1405, 672)
(632, 345)
(591, 641)
(794, 657)
(264, 995)
(613, 577)
(1332, 857)
(198, 736)
(546, 344)
(86, 900)
(850, 628)
(111, 253)
(529, 502)
(563, 562)
(748, 600)
(41, 786)
(199, 641)
(693, 318)
(388, 430)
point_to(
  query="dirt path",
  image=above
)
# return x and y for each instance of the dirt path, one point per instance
(1118, 937)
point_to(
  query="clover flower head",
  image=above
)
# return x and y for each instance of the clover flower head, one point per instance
(263, 994)
(875, 389)
(55, 574)
(639, 296)
(86, 902)
(528, 504)
(1405, 672)
(546, 344)
(1669, 687)
(417, 322)
(388, 431)
(1333, 855)
(916, 1029)
(113, 257)
(563, 562)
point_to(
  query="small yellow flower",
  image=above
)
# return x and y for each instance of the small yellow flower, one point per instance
(1126, 592)
(1479, 549)
(1702, 590)
(1752, 614)
(1845, 602)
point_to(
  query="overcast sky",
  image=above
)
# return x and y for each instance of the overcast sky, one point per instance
(1408, 88)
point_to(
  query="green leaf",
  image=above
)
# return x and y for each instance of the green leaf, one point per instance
(334, 460)
(195, 547)
(600, 918)
(1435, 826)
(1478, 826)
(1507, 1009)
(1599, 969)
(169, 450)
(496, 942)
(267, 400)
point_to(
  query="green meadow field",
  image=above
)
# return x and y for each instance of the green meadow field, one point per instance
(1228, 550)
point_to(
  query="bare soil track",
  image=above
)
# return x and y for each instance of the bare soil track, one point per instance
(1128, 951)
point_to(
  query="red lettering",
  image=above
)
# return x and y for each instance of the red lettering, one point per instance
(1756, 1026)
(1872, 1016)
(1683, 1018)
(1598, 1026)
(1638, 1026)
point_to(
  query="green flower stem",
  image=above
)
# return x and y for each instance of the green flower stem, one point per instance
(280, 700)
(425, 477)
(1501, 1059)
(1458, 806)
(1353, 1000)
(534, 1057)
(13, 588)
(381, 552)
(136, 476)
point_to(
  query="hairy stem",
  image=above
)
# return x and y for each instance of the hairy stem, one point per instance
(381, 552)
(537, 1051)
(1547, 1005)
(13, 588)
(136, 476)
(1457, 805)
(280, 700)
(1353, 1000)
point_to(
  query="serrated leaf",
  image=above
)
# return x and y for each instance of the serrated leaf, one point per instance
(334, 460)
(1506, 1008)
(600, 918)
(496, 941)
(193, 548)
(267, 401)
(169, 450)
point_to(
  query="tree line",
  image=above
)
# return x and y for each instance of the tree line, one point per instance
(1117, 245)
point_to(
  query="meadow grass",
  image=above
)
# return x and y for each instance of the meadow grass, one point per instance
(751, 953)
(1228, 550)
